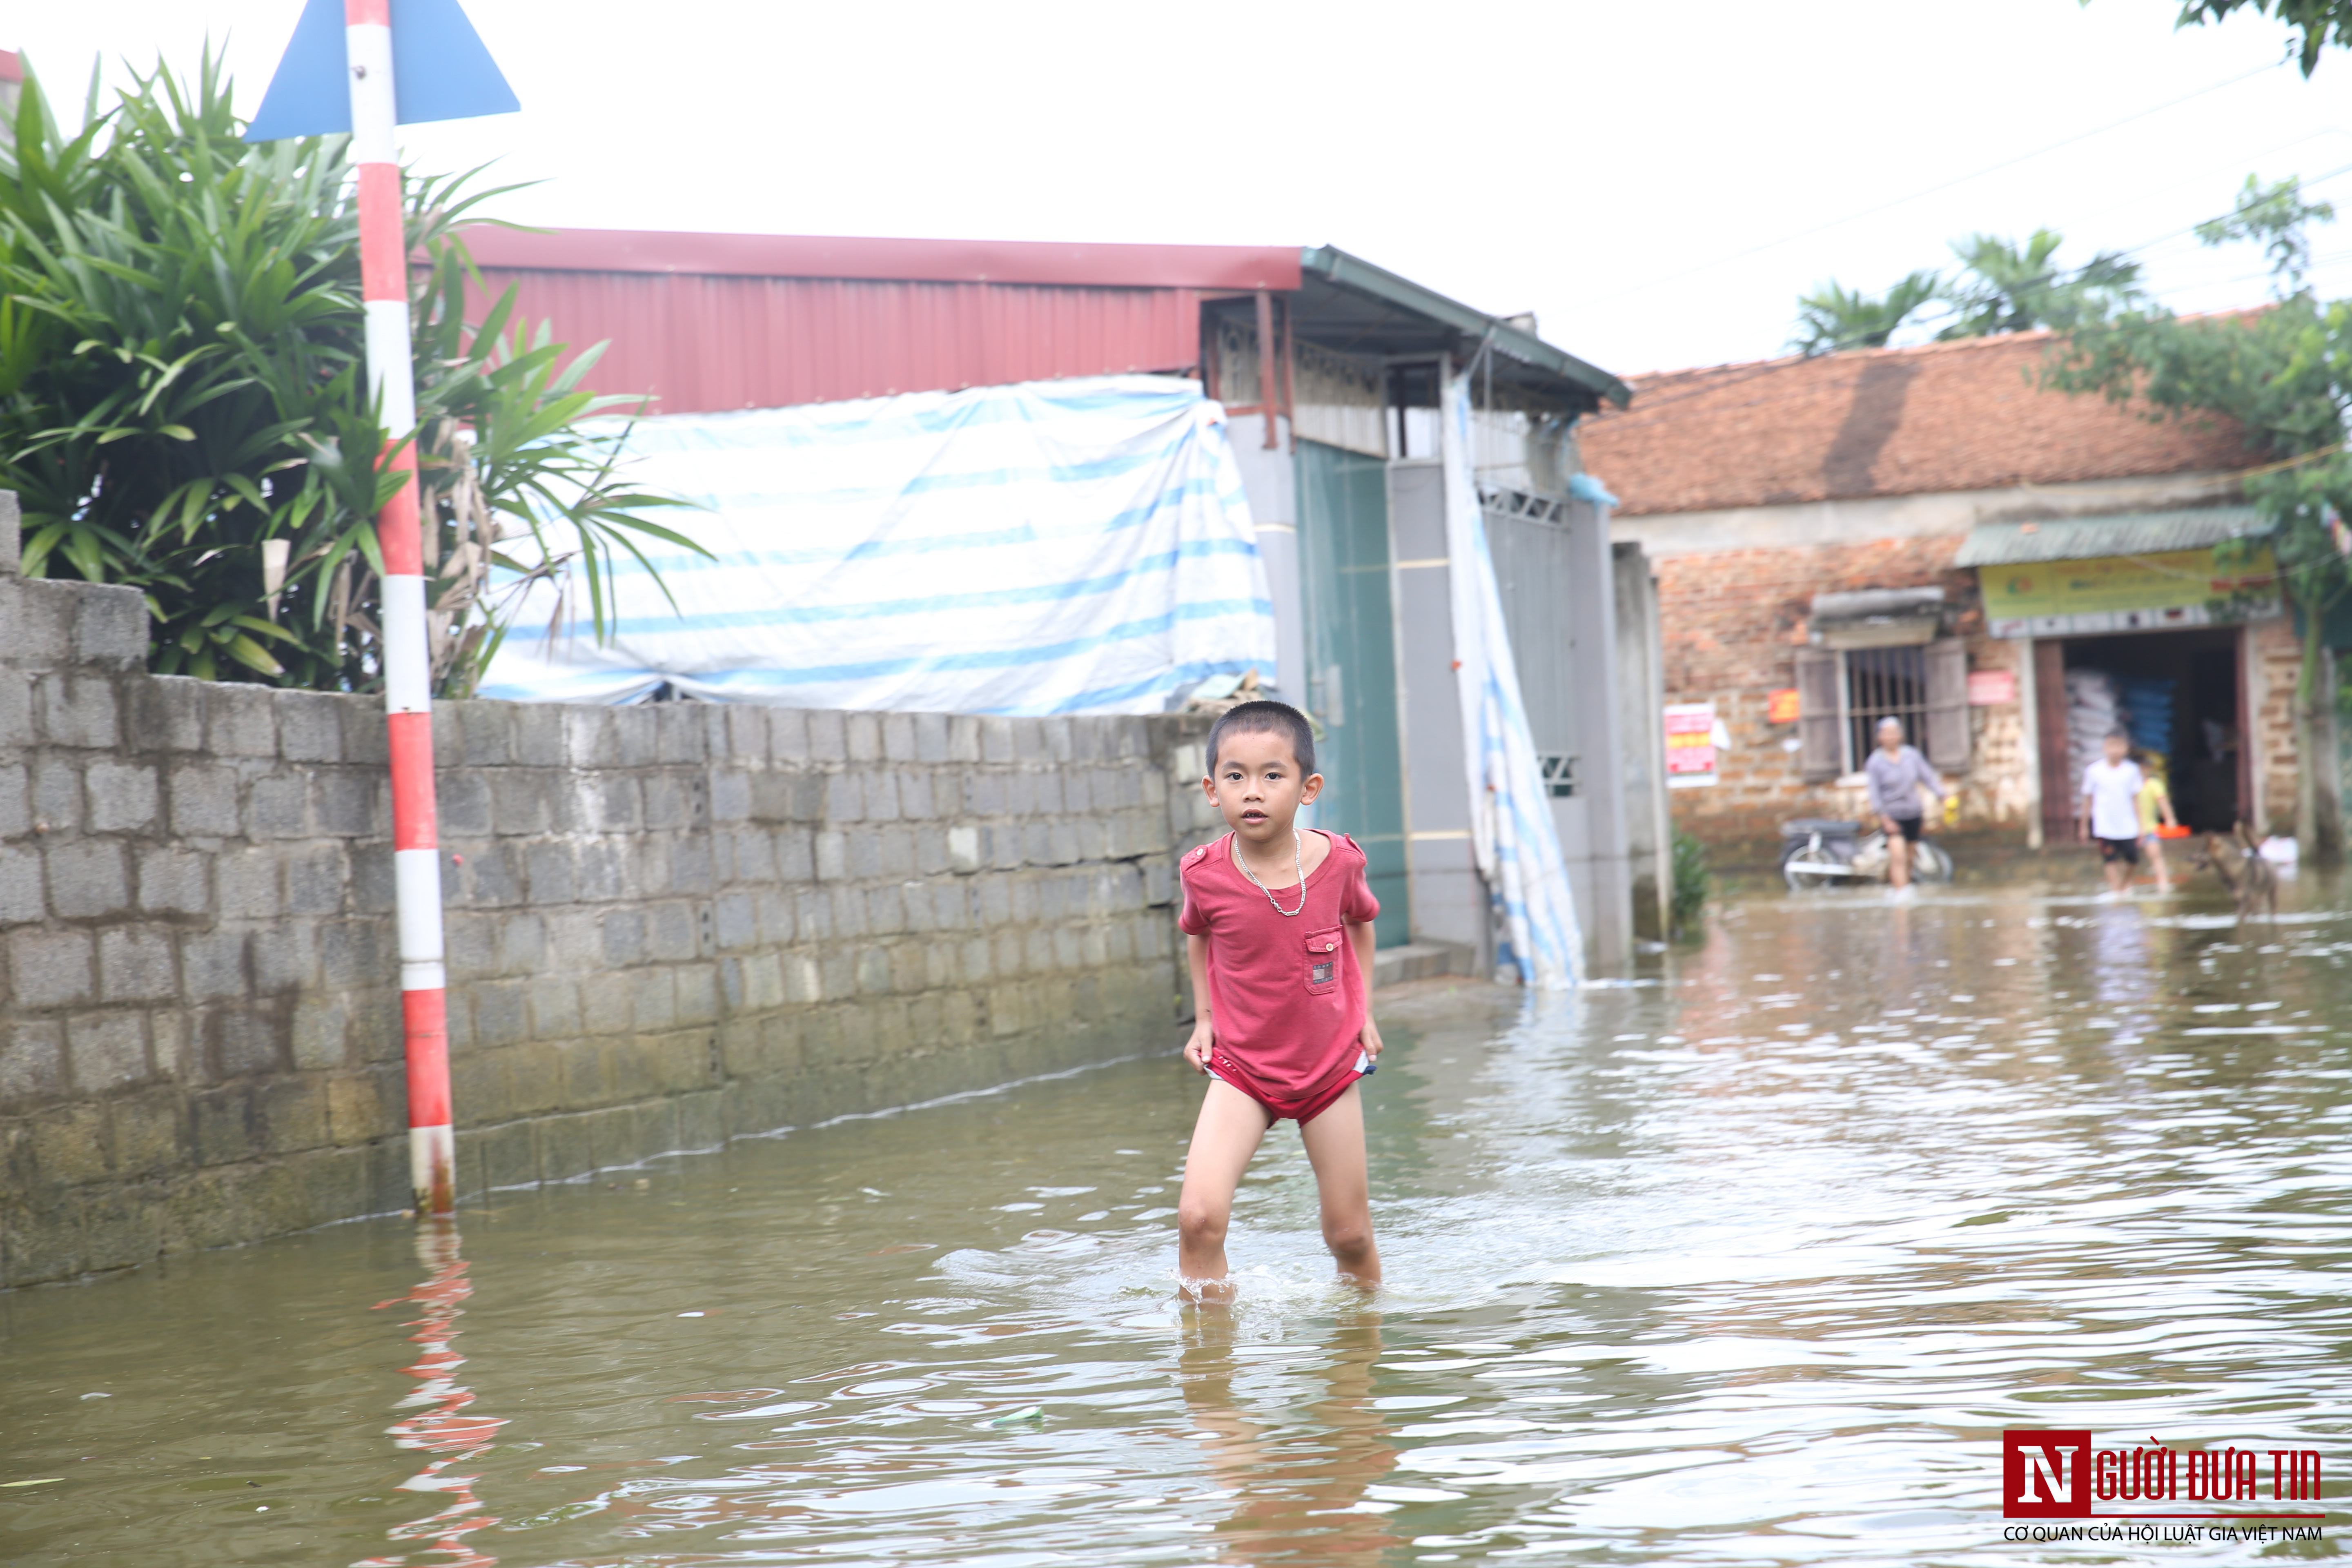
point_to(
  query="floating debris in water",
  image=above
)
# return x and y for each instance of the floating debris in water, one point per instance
(97, 1396)
(44, 1481)
(1026, 1413)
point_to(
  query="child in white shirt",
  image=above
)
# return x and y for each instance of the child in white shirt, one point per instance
(2110, 811)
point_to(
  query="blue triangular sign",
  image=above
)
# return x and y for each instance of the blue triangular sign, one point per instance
(439, 71)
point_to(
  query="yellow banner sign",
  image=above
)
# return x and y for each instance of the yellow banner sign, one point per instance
(2184, 581)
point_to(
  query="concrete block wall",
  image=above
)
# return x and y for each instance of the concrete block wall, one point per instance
(668, 925)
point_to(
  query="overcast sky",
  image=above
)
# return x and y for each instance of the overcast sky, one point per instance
(1658, 183)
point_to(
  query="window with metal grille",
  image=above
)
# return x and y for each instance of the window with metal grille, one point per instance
(1883, 683)
(1559, 775)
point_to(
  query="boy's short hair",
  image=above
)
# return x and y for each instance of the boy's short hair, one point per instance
(2119, 733)
(1265, 717)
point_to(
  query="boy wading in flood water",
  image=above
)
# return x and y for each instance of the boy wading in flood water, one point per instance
(1277, 928)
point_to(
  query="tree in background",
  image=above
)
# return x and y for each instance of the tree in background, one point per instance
(2321, 22)
(2005, 286)
(2001, 287)
(1832, 317)
(2284, 372)
(183, 404)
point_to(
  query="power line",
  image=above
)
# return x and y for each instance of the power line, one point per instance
(1931, 190)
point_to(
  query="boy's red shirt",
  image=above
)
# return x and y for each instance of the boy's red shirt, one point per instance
(1285, 997)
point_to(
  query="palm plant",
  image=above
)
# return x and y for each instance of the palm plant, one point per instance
(184, 407)
(1832, 318)
(2006, 286)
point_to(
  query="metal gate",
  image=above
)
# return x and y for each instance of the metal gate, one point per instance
(1343, 548)
(1527, 535)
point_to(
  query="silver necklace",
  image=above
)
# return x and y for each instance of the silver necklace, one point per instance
(1297, 859)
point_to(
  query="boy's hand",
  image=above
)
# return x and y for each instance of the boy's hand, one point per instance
(1371, 1038)
(1198, 1048)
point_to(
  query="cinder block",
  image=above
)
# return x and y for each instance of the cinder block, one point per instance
(501, 1012)
(292, 1114)
(212, 964)
(122, 799)
(679, 732)
(170, 882)
(828, 735)
(730, 795)
(518, 802)
(652, 998)
(548, 873)
(352, 802)
(366, 742)
(247, 879)
(287, 958)
(931, 737)
(671, 932)
(554, 1008)
(311, 727)
(32, 1061)
(734, 921)
(87, 879)
(321, 1032)
(203, 801)
(898, 744)
(56, 793)
(863, 736)
(16, 797)
(21, 892)
(241, 720)
(316, 881)
(77, 711)
(623, 938)
(42, 637)
(522, 943)
(698, 993)
(538, 737)
(588, 739)
(602, 871)
(68, 1144)
(278, 807)
(788, 735)
(146, 1133)
(165, 712)
(110, 627)
(463, 803)
(135, 965)
(669, 801)
(485, 731)
(881, 792)
(363, 1105)
(107, 1050)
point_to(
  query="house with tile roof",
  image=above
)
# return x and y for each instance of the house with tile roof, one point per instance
(1931, 533)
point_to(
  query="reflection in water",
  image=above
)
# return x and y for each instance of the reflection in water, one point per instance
(1297, 1485)
(443, 1428)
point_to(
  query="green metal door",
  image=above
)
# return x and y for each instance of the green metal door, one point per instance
(1343, 549)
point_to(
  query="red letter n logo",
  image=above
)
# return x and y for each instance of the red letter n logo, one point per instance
(2045, 1475)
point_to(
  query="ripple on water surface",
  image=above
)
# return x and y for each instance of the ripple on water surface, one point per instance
(1752, 1266)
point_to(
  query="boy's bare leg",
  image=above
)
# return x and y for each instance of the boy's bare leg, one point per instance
(1231, 1127)
(2156, 861)
(1334, 1146)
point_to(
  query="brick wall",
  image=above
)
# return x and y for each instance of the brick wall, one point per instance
(667, 925)
(1732, 622)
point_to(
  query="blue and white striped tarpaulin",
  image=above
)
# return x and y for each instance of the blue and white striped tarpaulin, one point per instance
(1511, 829)
(1054, 547)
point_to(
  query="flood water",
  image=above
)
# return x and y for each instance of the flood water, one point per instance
(1750, 1265)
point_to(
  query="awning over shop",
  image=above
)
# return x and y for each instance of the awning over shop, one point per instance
(2122, 533)
(2131, 572)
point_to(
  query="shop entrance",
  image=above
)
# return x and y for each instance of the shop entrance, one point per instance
(2179, 694)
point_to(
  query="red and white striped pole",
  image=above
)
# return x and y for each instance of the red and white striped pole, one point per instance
(407, 662)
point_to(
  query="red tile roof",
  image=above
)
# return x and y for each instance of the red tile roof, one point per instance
(1879, 422)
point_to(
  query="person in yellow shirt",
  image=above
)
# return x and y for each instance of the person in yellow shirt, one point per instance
(2155, 801)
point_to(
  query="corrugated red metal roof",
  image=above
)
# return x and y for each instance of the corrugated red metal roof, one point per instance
(890, 260)
(705, 322)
